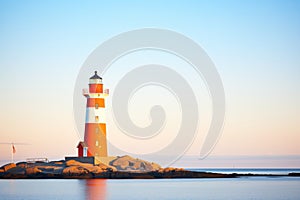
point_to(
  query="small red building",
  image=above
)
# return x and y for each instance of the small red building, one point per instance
(82, 149)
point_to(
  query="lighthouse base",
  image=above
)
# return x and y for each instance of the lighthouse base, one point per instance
(90, 159)
(95, 160)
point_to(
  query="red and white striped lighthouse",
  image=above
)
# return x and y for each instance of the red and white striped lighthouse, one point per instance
(95, 126)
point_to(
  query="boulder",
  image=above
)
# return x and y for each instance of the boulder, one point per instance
(58, 170)
(168, 169)
(8, 166)
(57, 163)
(22, 164)
(76, 163)
(127, 163)
(17, 171)
(48, 168)
(155, 166)
(90, 167)
(122, 163)
(95, 169)
(74, 170)
(105, 167)
(33, 170)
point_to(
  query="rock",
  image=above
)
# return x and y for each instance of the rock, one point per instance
(131, 168)
(127, 163)
(102, 166)
(17, 171)
(294, 174)
(8, 166)
(58, 170)
(76, 163)
(95, 169)
(169, 169)
(90, 167)
(57, 163)
(119, 167)
(155, 166)
(22, 164)
(105, 167)
(33, 170)
(74, 170)
(48, 168)
(121, 163)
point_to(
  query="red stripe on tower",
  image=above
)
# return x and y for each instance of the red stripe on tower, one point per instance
(93, 102)
(95, 125)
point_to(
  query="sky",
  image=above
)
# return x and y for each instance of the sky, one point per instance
(254, 45)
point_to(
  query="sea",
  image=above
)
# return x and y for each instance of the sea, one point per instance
(260, 187)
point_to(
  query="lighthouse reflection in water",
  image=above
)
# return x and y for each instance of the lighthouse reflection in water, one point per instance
(95, 189)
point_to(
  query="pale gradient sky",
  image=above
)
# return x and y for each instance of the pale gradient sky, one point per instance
(255, 46)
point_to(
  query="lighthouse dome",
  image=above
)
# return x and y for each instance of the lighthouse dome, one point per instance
(96, 76)
(95, 79)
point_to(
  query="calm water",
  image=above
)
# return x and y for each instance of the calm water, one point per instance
(274, 171)
(240, 188)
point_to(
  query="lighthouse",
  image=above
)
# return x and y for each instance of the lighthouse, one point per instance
(95, 126)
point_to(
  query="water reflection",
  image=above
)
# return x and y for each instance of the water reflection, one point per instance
(95, 189)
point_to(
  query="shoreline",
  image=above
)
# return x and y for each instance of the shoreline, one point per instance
(120, 175)
(141, 175)
(124, 167)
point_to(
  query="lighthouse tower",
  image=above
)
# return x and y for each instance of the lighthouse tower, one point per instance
(95, 127)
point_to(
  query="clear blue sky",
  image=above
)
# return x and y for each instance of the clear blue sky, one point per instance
(254, 44)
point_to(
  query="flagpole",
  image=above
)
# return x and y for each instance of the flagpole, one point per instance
(12, 156)
(12, 152)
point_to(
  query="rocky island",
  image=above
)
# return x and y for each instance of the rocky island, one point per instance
(124, 167)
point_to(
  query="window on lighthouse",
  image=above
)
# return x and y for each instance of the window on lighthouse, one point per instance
(96, 105)
(97, 129)
(97, 143)
(96, 118)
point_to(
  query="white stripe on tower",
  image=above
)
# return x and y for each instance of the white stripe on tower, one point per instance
(94, 115)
